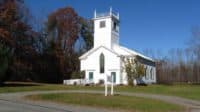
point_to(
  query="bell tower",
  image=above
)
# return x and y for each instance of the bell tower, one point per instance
(106, 29)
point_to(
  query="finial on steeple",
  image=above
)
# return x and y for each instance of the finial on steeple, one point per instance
(118, 15)
(95, 13)
(111, 10)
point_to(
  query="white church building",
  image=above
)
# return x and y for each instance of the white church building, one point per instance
(106, 56)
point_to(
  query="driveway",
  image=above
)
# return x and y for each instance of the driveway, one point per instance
(14, 102)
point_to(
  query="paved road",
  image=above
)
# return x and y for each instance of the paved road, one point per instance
(10, 106)
(14, 102)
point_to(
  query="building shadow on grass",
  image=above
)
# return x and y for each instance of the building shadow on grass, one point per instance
(19, 84)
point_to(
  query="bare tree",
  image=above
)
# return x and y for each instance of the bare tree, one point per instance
(134, 69)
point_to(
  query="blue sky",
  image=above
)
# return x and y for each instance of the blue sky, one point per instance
(145, 24)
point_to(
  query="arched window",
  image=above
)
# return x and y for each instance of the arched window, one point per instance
(151, 72)
(102, 63)
(145, 71)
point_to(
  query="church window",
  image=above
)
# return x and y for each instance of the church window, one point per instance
(102, 63)
(151, 72)
(145, 71)
(102, 24)
(115, 26)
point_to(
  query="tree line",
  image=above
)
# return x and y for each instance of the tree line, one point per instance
(179, 65)
(48, 55)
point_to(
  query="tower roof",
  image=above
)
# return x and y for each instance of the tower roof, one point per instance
(111, 13)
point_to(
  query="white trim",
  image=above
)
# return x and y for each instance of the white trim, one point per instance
(84, 56)
(136, 53)
(90, 70)
(113, 69)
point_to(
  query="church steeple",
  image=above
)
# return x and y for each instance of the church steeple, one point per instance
(106, 29)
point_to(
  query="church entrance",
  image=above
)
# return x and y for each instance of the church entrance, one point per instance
(90, 76)
(113, 74)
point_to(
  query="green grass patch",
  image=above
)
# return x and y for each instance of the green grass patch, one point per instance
(185, 91)
(44, 87)
(127, 103)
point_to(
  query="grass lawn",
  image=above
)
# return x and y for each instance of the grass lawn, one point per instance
(185, 91)
(24, 87)
(127, 103)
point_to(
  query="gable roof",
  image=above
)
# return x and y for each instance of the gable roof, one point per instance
(85, 55)
(132, 52)
(126, 52)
